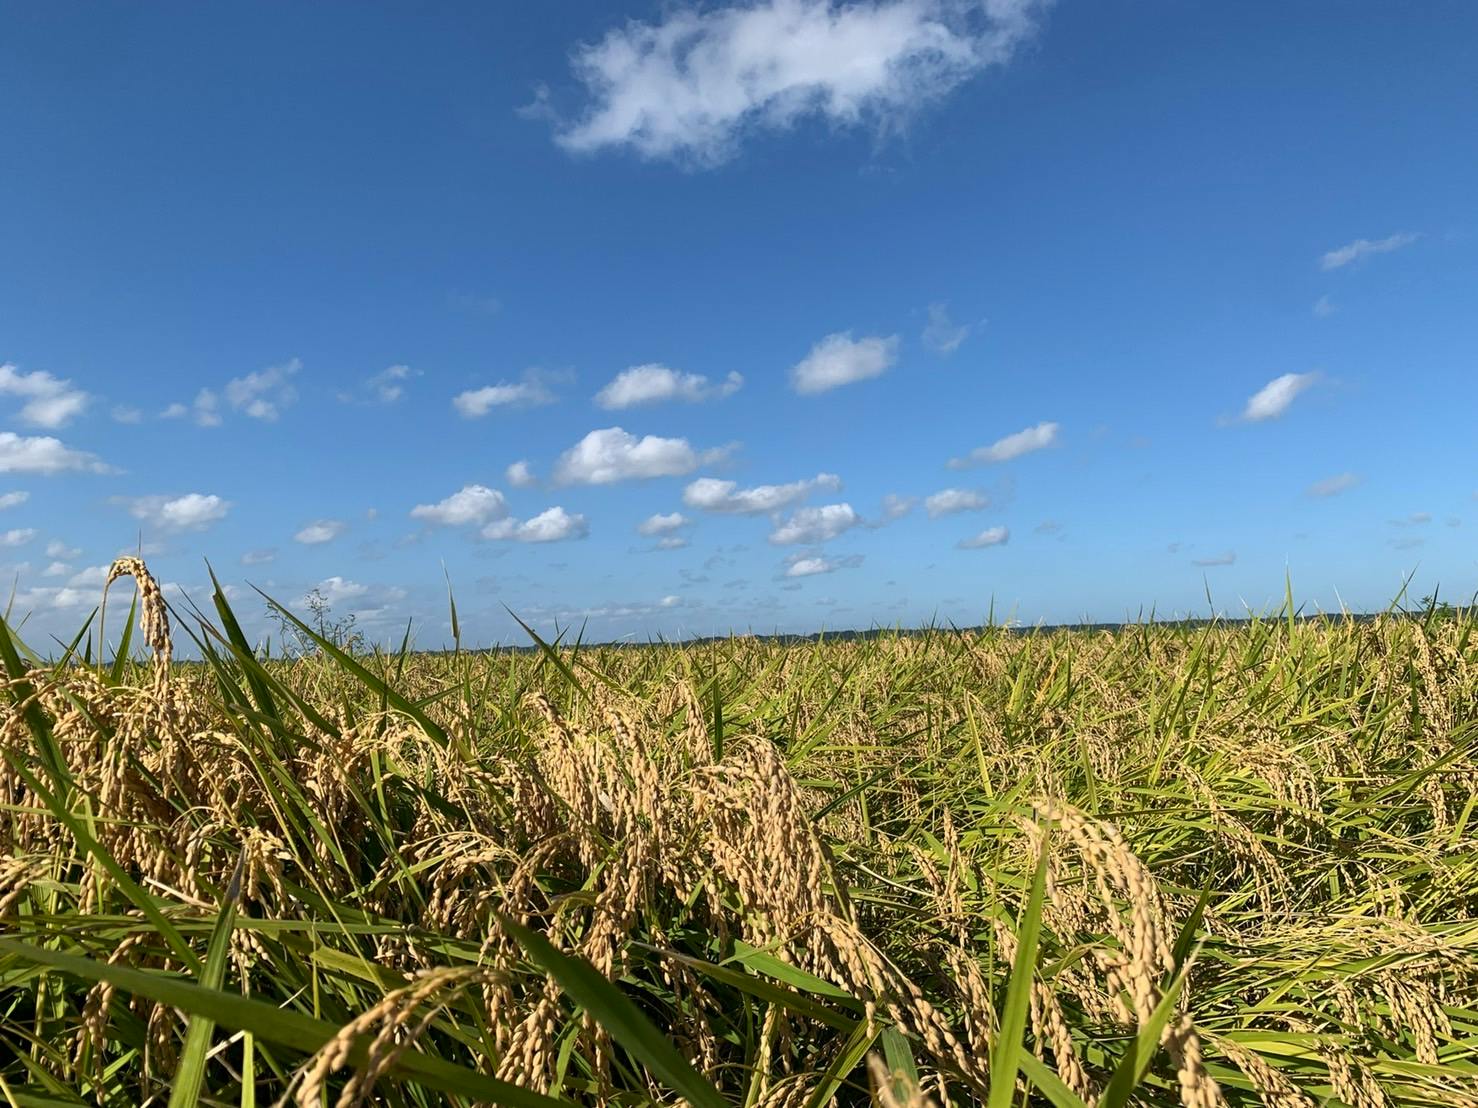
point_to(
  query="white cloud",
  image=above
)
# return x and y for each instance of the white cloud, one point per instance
(13, 499)
(263, 393)
(385, 387)
(1333, 486)
(472, 504)
(93, 577)
(58, 598)
(551, 525)
(1362, 248)
(43, 454)
(1012, 446)
(810, 565)
(810, 526)
(611, 454)
(1229, 558)
(124, 413)
(204, 411)
(321, 531)
(714, 495)
(661, 524)
(338, 590)
(942, 334)
(191, 512)
(670, 602)
(991, 536)
(672, 542)
(259, 557)
(17, 536)
(691, 86)
(49, 401)
(58, 549)
(1273, 399)
(56, 569)
(949, 501)
(652, 383)
(838, 360)
(520, 476)
(807, 567)
(55, 411)
(896, 506)
(531, 392)
(1325, 307)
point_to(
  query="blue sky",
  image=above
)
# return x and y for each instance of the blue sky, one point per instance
(1148, 297)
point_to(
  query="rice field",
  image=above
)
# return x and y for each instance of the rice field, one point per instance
(1210, 865)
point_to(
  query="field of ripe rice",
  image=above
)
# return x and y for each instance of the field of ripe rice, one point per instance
(1196, 865)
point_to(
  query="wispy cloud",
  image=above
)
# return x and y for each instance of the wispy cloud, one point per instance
(1325, 307)
(17, 536)
(941, 334)
(531, 391)
(839, 359)
(482, 304)
(1274, 398)
(264, 393)
(896, 506)
(14, 499)
(203, 411)
(1415, 519)
(653, 384)
(1364, 248)
(1226, 559)
(1012, 446)
(1333, 486)
(688, 88)
(385, 387)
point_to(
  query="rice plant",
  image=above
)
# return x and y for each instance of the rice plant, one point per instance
(1202, 865)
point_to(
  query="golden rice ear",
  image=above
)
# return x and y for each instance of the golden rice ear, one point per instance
(153, 616)
(893, 1089)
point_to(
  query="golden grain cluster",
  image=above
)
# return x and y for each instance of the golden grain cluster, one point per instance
(1170, 865)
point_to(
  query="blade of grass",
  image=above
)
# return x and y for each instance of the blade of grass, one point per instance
(1140, 1056)
(189, 1077)
(615, 1012)
(433, 730)
(125, 641)
(293, 1030)
(1005, 1057)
